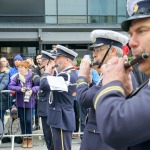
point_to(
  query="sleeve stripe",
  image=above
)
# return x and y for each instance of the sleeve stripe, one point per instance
(112, 88)
(35, 77)
(43, 77)
(81, 83)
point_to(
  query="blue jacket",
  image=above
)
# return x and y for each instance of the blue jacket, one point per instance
(95, 75)
(43, 97)
(13, 72)
(86, 95)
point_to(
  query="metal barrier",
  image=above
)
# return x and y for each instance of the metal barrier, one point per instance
(22, 135)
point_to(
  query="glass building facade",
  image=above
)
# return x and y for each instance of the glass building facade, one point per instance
(63, 11)
(29, 26)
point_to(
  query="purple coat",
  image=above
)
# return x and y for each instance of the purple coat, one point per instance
(16, 86)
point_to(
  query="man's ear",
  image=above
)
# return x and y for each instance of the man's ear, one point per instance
(113, 51)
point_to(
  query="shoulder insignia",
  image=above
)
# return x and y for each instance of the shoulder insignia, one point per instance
(69, 71)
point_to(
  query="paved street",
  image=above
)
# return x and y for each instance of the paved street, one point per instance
(38, 144)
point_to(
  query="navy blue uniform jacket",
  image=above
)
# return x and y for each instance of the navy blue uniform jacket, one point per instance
(123, 123)
(60, 114)
(85, 96)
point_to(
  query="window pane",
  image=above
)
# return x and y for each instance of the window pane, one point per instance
(121, 19)
(121, 7)
(102, 7)
(51, 19)
(102, 19)
(72, 7)
(72, 19)
(50, 7)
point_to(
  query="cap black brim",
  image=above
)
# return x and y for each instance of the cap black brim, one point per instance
(125, 25)
(95, 45)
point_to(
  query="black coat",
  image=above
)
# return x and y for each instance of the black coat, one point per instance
(4, 80)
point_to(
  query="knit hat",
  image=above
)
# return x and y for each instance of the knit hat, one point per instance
(13, 111)
(18, 56)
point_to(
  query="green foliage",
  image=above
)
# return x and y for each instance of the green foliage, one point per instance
(78, 59)
(130, 58)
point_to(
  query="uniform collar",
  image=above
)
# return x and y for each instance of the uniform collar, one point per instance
(68, 68)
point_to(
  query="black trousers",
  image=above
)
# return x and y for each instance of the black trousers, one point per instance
(62, 139)
(47, 134)
(77, 114)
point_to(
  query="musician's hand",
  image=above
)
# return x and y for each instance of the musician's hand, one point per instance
(114, 70)
(89, 78)
(49, 68)
(128, 87)
(85, 69)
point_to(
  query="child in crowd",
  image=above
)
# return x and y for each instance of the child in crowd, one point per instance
(12, 127)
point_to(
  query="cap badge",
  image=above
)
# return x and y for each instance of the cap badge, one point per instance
(135, 9)
(93, 40)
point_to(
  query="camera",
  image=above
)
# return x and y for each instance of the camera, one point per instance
(27, 95)
(26, 89)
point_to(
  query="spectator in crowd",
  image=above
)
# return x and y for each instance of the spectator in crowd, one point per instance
(40, 69)
(54, 49)
(12, 127)
(26, 85)
(14, 70)
(4, 80)
(31, 63)
(5, 62)
(35, 68)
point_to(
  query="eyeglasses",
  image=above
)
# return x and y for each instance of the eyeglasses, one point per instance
(98, 50)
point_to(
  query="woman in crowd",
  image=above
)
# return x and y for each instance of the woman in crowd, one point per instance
(26, 85)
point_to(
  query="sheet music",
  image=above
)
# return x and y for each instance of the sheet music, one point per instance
(57, 83)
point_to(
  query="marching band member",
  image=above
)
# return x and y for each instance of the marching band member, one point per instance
(43, 97)
(62, 89)
(106, 45)
(124, 123)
